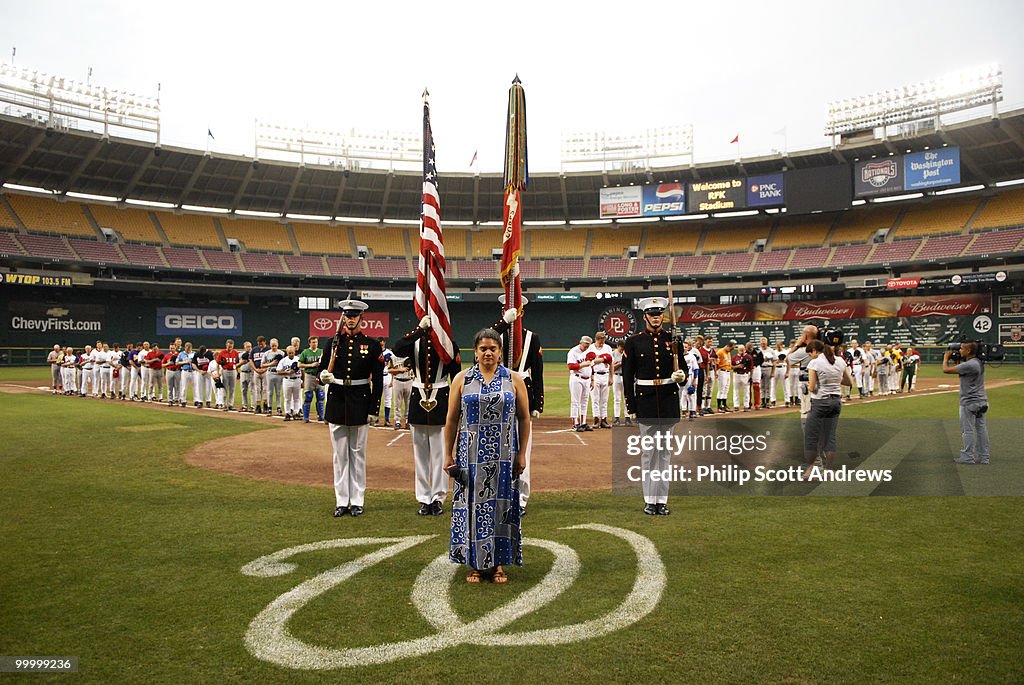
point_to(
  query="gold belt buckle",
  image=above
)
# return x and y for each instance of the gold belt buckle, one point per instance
(657, 381)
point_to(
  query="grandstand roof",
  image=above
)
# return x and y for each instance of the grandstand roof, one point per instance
(76, 161)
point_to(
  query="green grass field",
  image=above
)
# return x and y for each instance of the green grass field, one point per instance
(120, 553)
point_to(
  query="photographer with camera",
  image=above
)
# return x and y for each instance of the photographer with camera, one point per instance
(964, 361)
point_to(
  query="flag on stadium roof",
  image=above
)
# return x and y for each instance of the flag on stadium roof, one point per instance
(430, 287)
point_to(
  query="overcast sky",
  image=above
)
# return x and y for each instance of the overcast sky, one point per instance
(738, 68)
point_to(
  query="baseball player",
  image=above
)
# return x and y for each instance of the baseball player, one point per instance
(142, 360)
(710, 357)
(309, 362)
(106, 372)
(884, 365)
(768, 356)
(581, 366)
(85, 366)
(401, 380)
(275, 382)
(618, 399)
(353, 371)
(688, 393)
(69, 371)
(792, 378)
(155, 361)
(779, 374)
(910, 363)
(260, 379)
(742, 365)
(291, 383)
(203, 384)
(386, 355)
(54, 359)
(186, 373)
(245, 374)
(724, 366)
(428, 410)
(227, 360)
(651, 372)
(599, 390)
(799, 358)
(870, 366)
(172, 372)
(858, 368)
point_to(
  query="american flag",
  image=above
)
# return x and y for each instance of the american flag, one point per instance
(430, 288)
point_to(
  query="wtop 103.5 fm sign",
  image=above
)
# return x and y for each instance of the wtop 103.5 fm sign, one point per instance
(192, 321)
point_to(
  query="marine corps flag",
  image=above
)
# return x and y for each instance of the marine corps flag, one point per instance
(516, 179)
(430, 287)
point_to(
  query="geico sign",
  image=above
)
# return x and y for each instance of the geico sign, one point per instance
(205, 322)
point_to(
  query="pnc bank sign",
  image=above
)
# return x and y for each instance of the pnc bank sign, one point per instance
(324, 324)
(198, 321)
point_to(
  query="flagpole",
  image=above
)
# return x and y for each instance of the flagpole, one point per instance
(516, 178)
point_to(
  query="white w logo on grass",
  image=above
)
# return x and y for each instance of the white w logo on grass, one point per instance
(268, 637)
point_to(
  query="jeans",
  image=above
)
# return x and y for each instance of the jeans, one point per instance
(975, 435)
(820, 429)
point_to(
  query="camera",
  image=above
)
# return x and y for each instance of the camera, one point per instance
(831, 336)
(987, 352)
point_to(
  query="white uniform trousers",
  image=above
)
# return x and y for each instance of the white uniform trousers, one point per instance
(106, 380)
(724, 377)
(655, 491)
(185, 379)
(403, 394)
(618, 397)
(777, 376)
(69, 379)
(579, 389)
(741, 390)
(871, 379)
(349, 463)
(135, 382)
(793, 385)
(292, 396)
(687, 401)
(389, 382)
(124, 379)
(200, 391)
(88, 383)
(599, 396)
(275, 390)
(428, 458)
(173, 377)
(145, 372)
(259, 389)
(524, 477)
(858, 378)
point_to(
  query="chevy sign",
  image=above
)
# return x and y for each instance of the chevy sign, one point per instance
(198, 321)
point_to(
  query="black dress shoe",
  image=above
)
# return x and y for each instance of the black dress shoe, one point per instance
(436, 509)
(424, 510)
(522, 512)
(356, 511)
(650, 509)
(662, 510)
(340, 511)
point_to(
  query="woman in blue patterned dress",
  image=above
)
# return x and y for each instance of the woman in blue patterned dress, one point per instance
(488, 419)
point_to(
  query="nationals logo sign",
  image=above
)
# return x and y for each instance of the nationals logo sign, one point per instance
(618, 323)
(324, 324)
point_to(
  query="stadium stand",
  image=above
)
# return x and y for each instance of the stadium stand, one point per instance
(809, 257)
(670, 241)
(264, 236)
(306, 265)
(482, 242)
(730, 263)
(382, 242)
(454, 243)
(896, 251)
(802, 231)
(858, 226)
(133, 225)
(142, 255)
(8, 245)
(50, 247)
(563, 268)
(606, 243)
(96, 252)
(7, 219)
(608, 268)
(220, 260)
(690, 265)
(183, 258)
(937, 218)
(44, 215)
(772, 261)
(733, 237)
(530, 268)
(189, 229)
(1004, 209)
(477, 268)
(848, 255)
(555, 243)
(650, 266)
(346, 266)
(993, 242)
(322, 239)
(389, 268)
(256, 262)
(943, 248)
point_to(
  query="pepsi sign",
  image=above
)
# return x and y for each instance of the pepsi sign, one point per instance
(765, 191)
(663, 199)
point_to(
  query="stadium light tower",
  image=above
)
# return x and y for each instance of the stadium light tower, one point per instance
(666, 146)
(954, 92)
(350, 150)
(63, 104)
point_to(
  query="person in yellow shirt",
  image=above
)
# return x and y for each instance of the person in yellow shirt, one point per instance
(724, 374)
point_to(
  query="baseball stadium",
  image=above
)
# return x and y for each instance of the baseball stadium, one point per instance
(165, 529)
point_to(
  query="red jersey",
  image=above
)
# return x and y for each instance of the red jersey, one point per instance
(155, 358)
(227, 359)
(171, 360)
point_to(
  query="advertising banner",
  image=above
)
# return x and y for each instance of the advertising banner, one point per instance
(664, 199)
(932, 168)
(324, 324)
(902, 283)
(946, 305)
(836, 309)
(618, 322)
(36, 280)
(878, 177)
(621, 202)
(38, 318)
(765, 191)
(191, 321)
(1011, 333)
(716, 196)
(1011, 307)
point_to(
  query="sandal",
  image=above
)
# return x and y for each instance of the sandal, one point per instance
(473, 578)
(499, 577)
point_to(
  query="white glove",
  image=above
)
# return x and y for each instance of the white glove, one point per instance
(679, 376)
(326, 377)
(425, 322)
(510, 315)
(632, 417)
(371, 420)
(535, 414)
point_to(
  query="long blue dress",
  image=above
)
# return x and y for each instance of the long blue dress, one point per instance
(485, 510)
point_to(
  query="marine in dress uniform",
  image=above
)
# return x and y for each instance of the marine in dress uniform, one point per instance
(651, 372)
(530, 367)
(353, 371)
(428, 410)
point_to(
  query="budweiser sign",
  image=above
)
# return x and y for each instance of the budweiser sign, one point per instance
(840, 309)
(901, 283)
(699, 313)
(955, 305)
